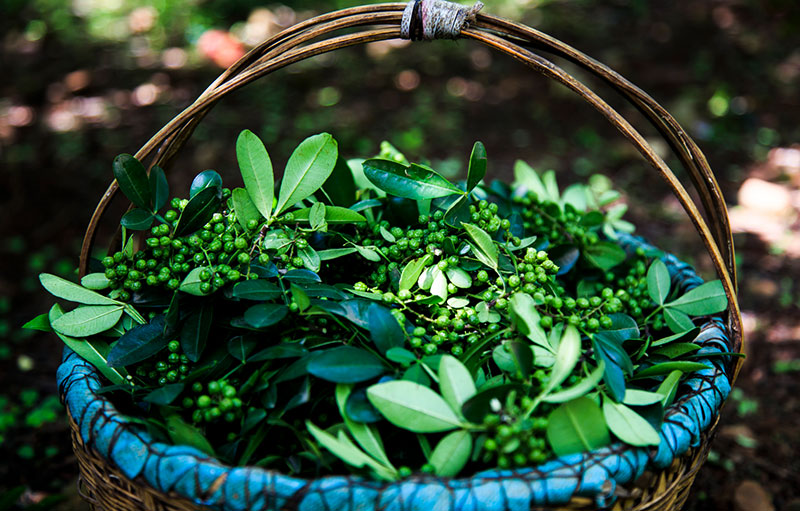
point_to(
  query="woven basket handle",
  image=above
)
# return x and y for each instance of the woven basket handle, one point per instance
(313, 37)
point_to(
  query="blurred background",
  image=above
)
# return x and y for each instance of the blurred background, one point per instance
(85, 80)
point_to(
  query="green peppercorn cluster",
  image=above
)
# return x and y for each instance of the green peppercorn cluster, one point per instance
(171, 369)
(513, 440)
(214, 402)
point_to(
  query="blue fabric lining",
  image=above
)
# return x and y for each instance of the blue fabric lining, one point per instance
(595, 474)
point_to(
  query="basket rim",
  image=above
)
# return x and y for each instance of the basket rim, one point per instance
(595, 474)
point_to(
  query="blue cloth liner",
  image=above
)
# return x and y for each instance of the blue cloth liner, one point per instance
(206, 481)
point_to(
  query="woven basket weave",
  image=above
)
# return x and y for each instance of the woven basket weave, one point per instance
(122, 468)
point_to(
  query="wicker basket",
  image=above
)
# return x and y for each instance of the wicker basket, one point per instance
(123, 469)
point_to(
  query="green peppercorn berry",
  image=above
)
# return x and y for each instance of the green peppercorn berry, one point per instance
(430, 349)
(482, 276)
(214, 387)
(225, 404)
(592, 324)
(218, 282)
(501, 303)
(419, 331)
(173, 284)
(183, 368)
(490, 444)
(110, 274)
(582, 303)
(514, 281)
(229, 391)
(161, 366)
(546, 322)
(172, 376)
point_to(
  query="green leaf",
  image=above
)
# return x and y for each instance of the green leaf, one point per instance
(198, 211)
(669, 387)
(368, 253)
(347, 452)
(241, 348)
(137, 219)
(668, 367)
(477, 166)
(194, 333)
(333, 215)
(183, 433)
(623, 327)
(165, 395)
(340, 186)
(88, 320)
(636, 397)
(577, 426)
(139, 343)
(526, 318)
(95, 281)
(605, 255)
(412, 406)
(677, 321)
(159, 188)
(412, 271)
(346, 364)
(307, 169)
(708, 298)
(366, 435)
(483, 246)
(451, 453)
(206, 179)
(264, 315)
(676, 349)
(439, 283)
(334, 253)
(301, 276)
(192, 283)
(384, 330)
(658, 281)
(94, 351)
(581, 388)
(133, 181)
(40, 322)
(256, 169)
(569, 351)
(62, 288)
(300, 297)
(244, 207)
(459, 277)
(310, 258)
(401, 356)
(412, 182)
(629, 426)
(256, 289)
(455, 382)
(316, 216)
(689, 335)
(526, 177)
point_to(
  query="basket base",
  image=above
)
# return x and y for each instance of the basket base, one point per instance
(105, 488)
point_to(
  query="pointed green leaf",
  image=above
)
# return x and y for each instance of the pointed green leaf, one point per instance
(526, 319)
(256, 169)
(196, 328)
(316, 215)
(206, 179)
(307, 169)
(455, 382)
(669, 387)
(439, 283)
(163, 396)
(658, 281)
(310, 258)
(94, 351)
(256, 289)
(569, 351)
(137, 220)
(264, 315)
(636, 397)
(412, 182)
(62, 288)
(346, 364)
(581, 388)
(676, 349)
(159, 188)
(183, 433)
(459, 277)
(677, 321)
(477, 166)
(526, 177)
(629, 426)
(198, 211)
(577, 426)
(133, 181)
(346, 451)
(483, 246)
(40, 322)
(366, 435)
(412, 271)
(88, 320)
(139, 343)
(192, 283)
(95, 281)
(340, 186)
(708, 298)
(333, 215)
(668, 367)
(412, 406)
(605, 255)
(245, 210)
(452, 453)
(384, 330)
(334, 253)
